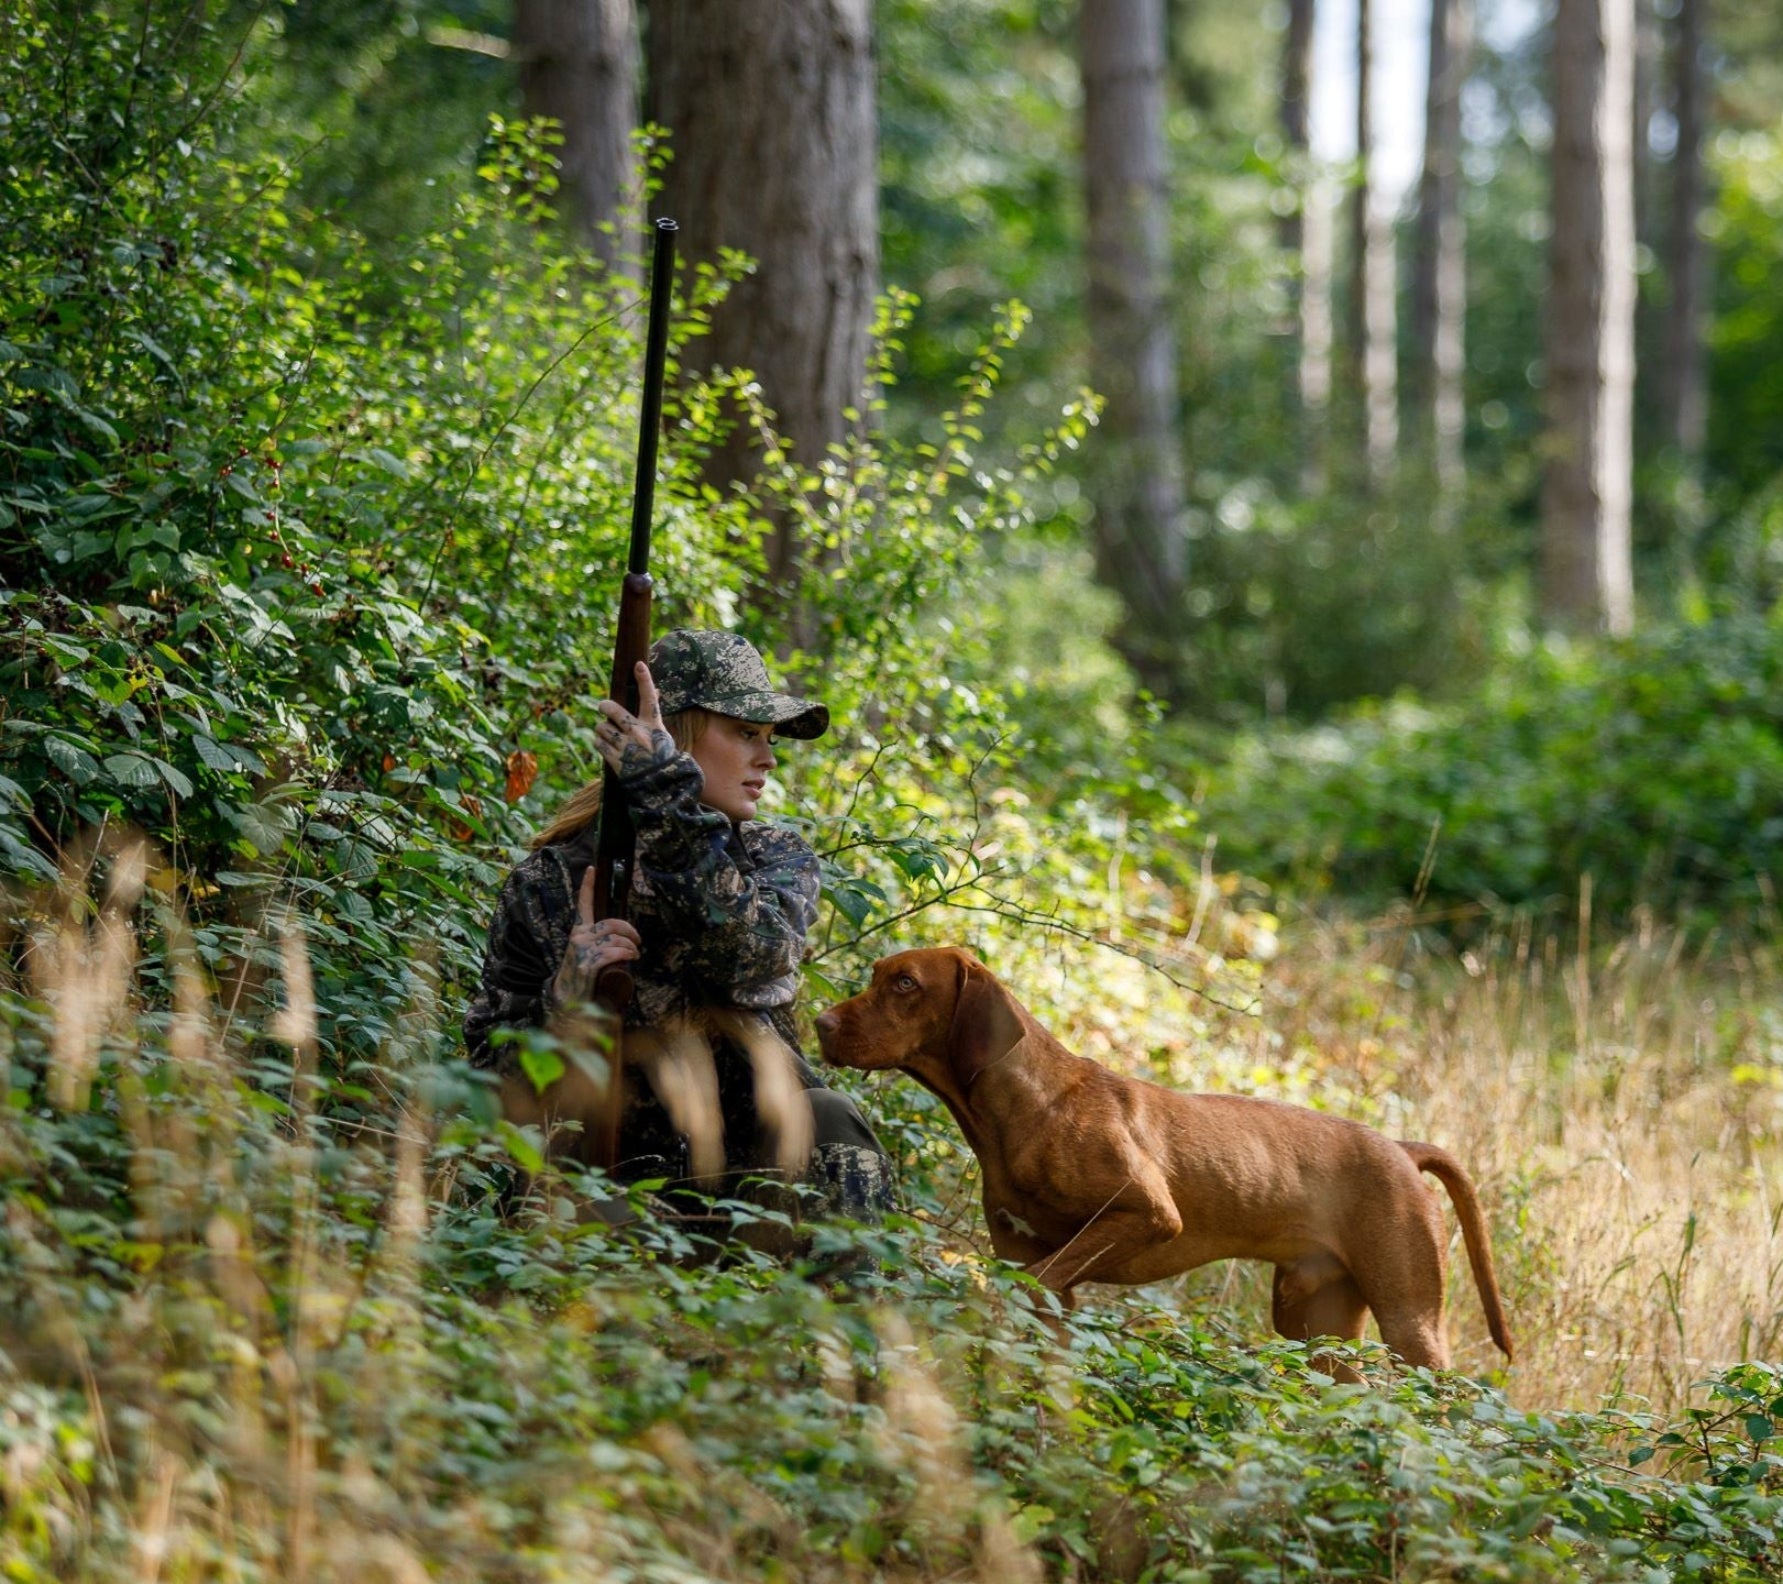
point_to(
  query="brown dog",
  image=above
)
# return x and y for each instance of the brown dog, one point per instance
(1089, 1176)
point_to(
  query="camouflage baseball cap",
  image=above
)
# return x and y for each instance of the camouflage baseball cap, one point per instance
(721, 672)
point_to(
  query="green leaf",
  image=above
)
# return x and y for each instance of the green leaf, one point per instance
(18, 853)
(543, 1067)
(388, 462)
(357, 860)
(213, 753)
(520, 1144)
(74, 762)
(131, 769)
(174, 778)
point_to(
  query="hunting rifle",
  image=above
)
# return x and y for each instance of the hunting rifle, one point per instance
(617, 841)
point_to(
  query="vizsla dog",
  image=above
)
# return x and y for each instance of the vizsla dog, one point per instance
(1092, 1177)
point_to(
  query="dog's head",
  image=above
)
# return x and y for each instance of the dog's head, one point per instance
(936, 1013)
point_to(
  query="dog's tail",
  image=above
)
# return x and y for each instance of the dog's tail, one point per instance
(1448, 1171)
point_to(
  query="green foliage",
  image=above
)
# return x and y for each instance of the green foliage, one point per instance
(1654, 766)
(305, 542)
(320, 1339)
(301, 555)
(1746, 375)
(305, 557)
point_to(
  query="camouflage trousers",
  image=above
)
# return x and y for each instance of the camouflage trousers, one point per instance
(848, 1165)
(847, 1162)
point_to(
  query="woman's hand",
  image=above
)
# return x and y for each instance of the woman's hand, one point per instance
(594, 945)
(622, 728)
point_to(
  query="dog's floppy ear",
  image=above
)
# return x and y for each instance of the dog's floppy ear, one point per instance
(985, 1023)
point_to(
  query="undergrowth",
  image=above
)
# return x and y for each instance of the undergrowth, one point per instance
(249, 1335)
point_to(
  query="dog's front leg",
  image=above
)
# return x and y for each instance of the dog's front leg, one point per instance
(1135, 1220)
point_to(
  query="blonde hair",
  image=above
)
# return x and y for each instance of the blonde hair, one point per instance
(583, 806)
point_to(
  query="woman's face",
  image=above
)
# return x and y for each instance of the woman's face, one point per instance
(735, 757)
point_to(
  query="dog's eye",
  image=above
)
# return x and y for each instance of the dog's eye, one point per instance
(904, 983)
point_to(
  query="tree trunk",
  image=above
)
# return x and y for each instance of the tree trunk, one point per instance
(1356, 300)
(1648, 47)
(1683, 398)
(1587, 581)
(1296, 102)
(1306, 239)
(770, 111)
(1316, 238)
(1439, 271)
(1372, 348)
(578, 63)
(1141, 549)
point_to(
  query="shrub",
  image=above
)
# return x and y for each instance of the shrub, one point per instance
(1653, 766)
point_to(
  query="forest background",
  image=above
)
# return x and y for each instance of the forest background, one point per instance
(1310, 645)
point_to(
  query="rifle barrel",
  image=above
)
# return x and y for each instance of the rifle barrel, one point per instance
(656, 351)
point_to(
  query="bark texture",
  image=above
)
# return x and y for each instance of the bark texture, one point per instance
(1439, 269)
(770, 110)
(1587, 581)
(1316, 236)
(1683, 397)
(1141, 549)
(1372, 310)
(1649, 47)
(578, 63)
(1296, 101)
(1306, 239)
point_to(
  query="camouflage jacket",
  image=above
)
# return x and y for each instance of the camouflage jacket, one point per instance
(722, 909)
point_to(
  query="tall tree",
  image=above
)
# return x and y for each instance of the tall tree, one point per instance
(1372, 340)
(1296, 104)
(770, 110)
(1587, 580)
(578, 63)
(1306, 238)
(1648, 48)
(1141, 548)
(1439, 260)
(1682, 395)
(1316, 241)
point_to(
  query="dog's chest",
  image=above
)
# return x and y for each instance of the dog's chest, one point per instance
(1024, 1227)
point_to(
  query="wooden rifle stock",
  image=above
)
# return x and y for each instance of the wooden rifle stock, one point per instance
(617, 841)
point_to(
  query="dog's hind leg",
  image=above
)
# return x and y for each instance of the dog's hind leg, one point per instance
(1416, 1335)
(1315, 1297)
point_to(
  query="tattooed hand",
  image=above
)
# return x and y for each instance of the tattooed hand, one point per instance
(594, 945)
(620, 727)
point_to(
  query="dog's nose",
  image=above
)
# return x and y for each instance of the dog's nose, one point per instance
(827, 1024)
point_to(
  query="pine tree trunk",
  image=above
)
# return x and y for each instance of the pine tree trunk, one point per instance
(1439, 271)
(1316, 239)
(1648, 48)
(770, 110)
(1296, 102)
(1372, 336)
(1356, 300)
(1306, 239)
(1141, 550)
(1683, 398)
(578, 62)
(1587, 581)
